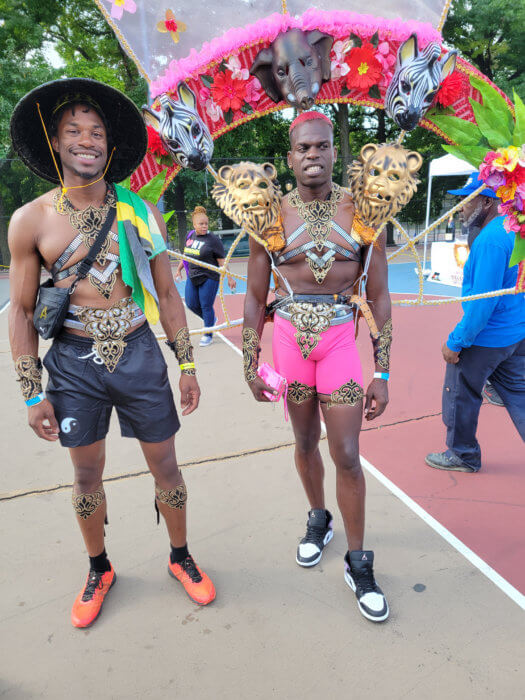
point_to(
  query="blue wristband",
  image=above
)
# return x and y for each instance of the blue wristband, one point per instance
(36, 399)
(382, 375)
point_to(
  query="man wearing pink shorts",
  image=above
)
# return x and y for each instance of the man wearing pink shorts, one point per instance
(314, 343)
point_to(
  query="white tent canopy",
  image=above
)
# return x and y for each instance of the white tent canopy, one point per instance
(441, 167)
(449, 165)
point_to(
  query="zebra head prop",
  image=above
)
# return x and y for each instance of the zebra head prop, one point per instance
(415, 81)
(182, 131)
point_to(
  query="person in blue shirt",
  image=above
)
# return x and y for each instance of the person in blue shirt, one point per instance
(489, 341)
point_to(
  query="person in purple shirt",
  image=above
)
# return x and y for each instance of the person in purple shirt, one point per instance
(489, 341)
(202, 283)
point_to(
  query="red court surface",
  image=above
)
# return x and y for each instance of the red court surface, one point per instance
(485, 511)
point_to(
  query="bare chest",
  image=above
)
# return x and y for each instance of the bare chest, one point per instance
(319, 232)
(63, 233)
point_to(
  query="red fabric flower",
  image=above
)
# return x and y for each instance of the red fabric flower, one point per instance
(171, 25)
(365, 69)
(450, 90)
(155, 144)
(228, 92)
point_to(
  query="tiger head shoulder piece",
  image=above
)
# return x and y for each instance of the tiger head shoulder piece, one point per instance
(250, 195)
(383, 179)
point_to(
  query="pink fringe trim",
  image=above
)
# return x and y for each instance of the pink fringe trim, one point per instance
(339, 24)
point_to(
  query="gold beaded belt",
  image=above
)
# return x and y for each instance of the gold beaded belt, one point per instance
(106, 327)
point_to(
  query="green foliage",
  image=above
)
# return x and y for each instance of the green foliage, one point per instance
(494, 103)
(519, 128)
(489, 34)
(458, 130)
(41, 41)
(153, 189)
(518, 252)
(496, 137)
(472, 154)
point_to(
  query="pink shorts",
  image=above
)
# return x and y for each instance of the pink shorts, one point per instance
(333, 366)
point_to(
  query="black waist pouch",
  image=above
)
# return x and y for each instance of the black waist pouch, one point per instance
(53, 302)
(51, 308)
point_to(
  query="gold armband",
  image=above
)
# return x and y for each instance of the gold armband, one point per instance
(382, 346)
(183, 350)
(250, 352)
(29, 370)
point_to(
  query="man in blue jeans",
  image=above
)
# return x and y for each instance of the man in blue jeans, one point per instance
(488, 342)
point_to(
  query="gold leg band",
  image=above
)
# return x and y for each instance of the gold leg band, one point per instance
(347, 395)
(85, 504)
(299, 393)
(173, 498)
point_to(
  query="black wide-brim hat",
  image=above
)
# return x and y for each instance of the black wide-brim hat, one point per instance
(127, 129)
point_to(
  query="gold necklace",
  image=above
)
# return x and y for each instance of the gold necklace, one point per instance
(318, 216)
(88, 223)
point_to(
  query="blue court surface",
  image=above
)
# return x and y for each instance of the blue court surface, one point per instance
(401, 280)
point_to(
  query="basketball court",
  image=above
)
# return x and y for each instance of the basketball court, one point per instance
(449, 549)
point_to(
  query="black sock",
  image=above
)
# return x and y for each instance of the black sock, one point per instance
(179, 554)
(100, 562)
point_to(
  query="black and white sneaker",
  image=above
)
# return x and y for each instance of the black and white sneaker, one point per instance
(359, 575)
(319, 532)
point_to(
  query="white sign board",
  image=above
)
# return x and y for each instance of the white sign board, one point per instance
(447, 261)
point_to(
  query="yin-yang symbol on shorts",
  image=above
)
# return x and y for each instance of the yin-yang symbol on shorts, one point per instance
(69, 425)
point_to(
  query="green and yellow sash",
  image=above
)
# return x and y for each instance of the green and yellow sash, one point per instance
(140, 240)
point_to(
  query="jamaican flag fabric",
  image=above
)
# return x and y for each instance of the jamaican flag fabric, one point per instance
(140, 240)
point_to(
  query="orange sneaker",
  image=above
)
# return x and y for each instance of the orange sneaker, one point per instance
(88, 603)
(196, 583)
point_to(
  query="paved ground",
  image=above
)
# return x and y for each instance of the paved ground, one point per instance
(275, 630)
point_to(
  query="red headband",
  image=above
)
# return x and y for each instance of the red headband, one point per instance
(309, 116)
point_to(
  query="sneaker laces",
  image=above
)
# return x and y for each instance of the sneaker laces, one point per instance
(364, 579)
(190, 568)
(314, 534)
(94, 581)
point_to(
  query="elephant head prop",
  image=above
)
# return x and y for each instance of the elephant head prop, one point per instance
(182, 131)
(294, 67)
(415, 81)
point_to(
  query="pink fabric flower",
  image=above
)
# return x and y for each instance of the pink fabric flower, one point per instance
(234, 65)
(506, 208)
(387, 59)
(519, 198)
(213, 111)
(204, 94)
(338, 65)
(511, 223)
(119, 6)
(495, 179)
(254, 92)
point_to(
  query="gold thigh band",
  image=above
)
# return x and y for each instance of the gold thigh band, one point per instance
(299, 393)
(347, 395)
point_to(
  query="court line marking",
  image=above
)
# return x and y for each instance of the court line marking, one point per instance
(5, 306)
(454, 541)
(451, 539)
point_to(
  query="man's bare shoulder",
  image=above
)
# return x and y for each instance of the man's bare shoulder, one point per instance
(26, 221)
(34, 209)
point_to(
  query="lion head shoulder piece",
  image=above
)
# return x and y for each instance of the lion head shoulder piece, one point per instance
(383, 180)
(250, 195)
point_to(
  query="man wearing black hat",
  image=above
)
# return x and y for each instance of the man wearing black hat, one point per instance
(489, 341)
(105, 247)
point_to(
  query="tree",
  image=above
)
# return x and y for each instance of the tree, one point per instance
(84, 43)
(489, 34)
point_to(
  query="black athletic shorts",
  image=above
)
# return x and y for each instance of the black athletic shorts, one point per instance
(83, 392)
